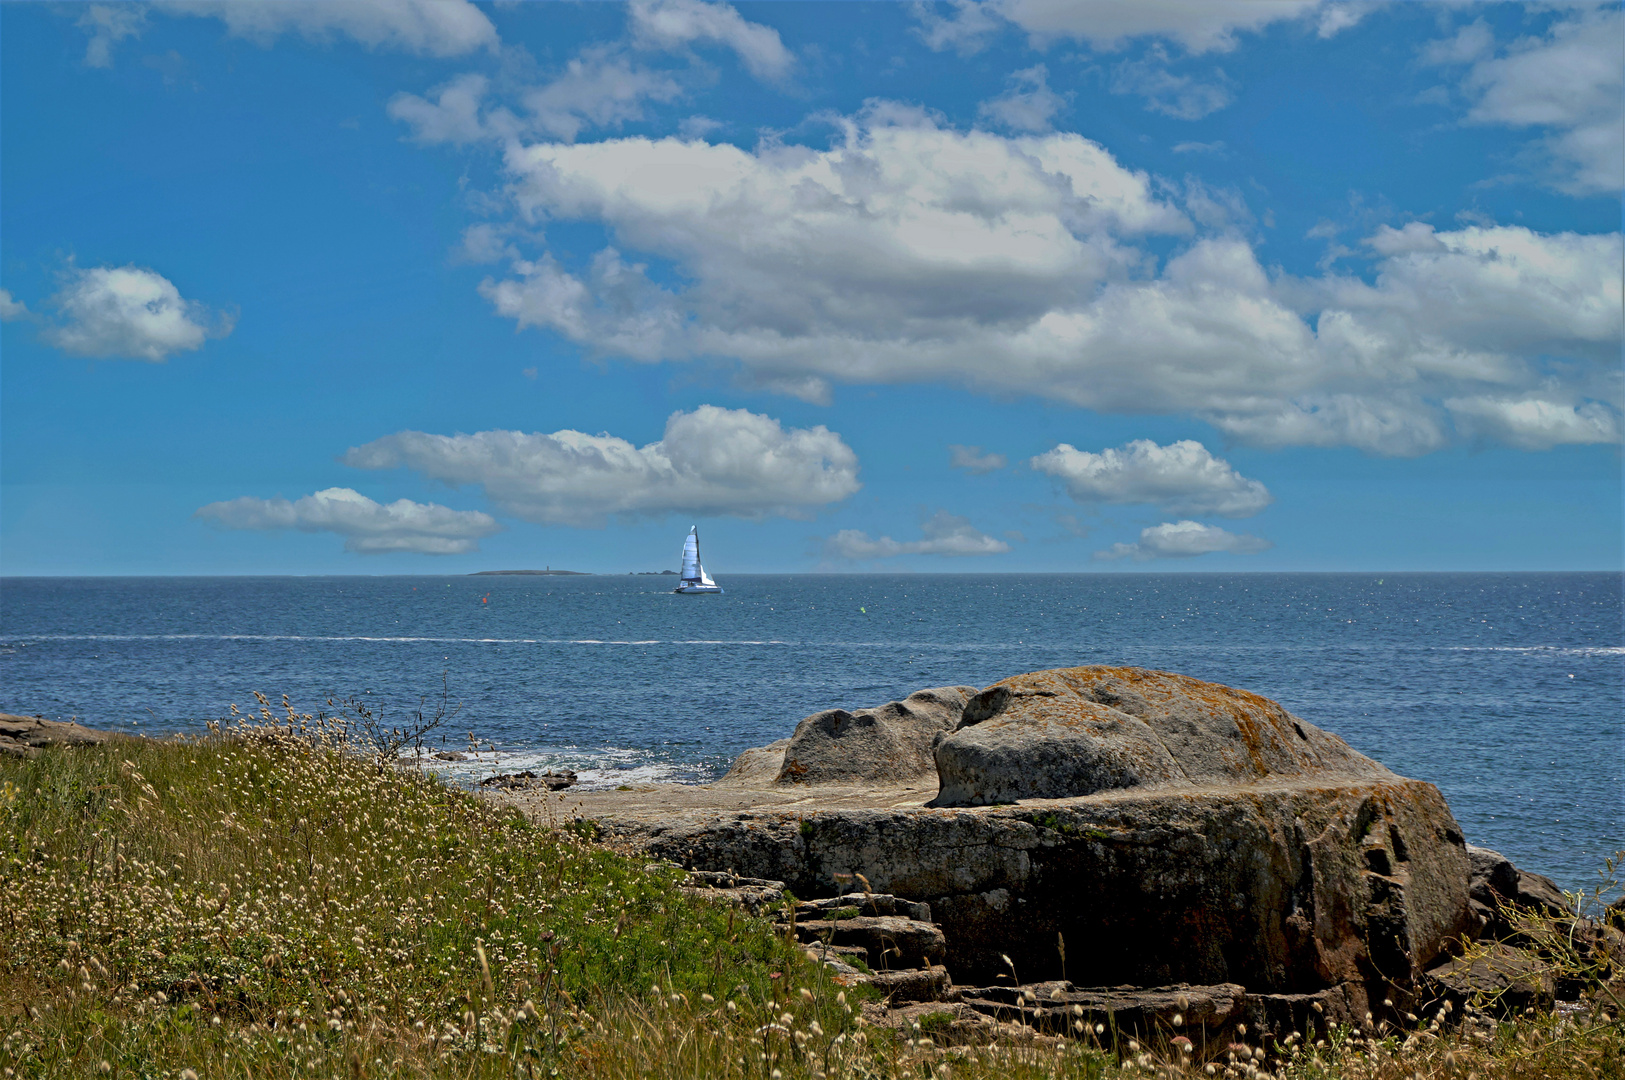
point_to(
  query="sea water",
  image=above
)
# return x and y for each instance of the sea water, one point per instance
(1505, 690)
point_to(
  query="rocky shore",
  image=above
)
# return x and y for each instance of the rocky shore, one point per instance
(26, 736)
(1099, 845)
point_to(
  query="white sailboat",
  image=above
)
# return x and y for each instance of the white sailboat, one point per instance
(694, 579)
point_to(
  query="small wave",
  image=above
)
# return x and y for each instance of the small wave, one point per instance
(596, 769)
(1553, 650)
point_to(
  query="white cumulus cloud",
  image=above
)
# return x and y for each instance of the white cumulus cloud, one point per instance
(1184, 540)
(1181, 478)
(1184, 97)
(452, 117)
(426, 27)
(710, 461)
(965, 27)
(674, 24)
(909, 252)
(944, 534)
(106, 25)
(129, 312)
(1569, 82)
(1533, 423)
(972, 460)
(604, 85)
(11, 309)
(368, 527)
(1028, 105)
(1198, 26)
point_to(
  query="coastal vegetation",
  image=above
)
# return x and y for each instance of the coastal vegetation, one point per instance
(279, 899)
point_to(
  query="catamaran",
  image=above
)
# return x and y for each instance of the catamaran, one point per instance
(694, 579)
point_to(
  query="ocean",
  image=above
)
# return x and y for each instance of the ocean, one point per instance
(1505, 690)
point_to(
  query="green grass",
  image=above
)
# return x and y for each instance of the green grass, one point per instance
(276, 904)
(164, 902)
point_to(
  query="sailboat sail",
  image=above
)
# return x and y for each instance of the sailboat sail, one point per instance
(691, 557)
(694, 578)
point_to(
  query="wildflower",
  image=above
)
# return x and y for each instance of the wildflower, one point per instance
(187, 1074)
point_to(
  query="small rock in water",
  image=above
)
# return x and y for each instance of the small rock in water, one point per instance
(557, 781)
(450, 755)
(552, 781)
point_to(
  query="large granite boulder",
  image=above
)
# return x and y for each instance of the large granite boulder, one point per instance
(887, 744)
(1076, 731)
(1161, 829)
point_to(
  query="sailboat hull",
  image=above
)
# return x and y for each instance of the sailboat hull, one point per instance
(697, 589)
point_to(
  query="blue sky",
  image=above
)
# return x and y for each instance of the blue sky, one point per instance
(432, 287)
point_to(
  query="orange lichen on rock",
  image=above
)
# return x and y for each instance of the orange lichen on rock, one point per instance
(1075, 731)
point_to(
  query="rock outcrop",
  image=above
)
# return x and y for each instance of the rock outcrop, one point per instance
(25, 736)
(887, 744)
(1273, 888)
(1109, 826)
(1497, 889)
(1076, 731)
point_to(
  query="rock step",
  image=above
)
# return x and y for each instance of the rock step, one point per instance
(865, 904)
(1059, 1008)
(822, 951)
(755, 895)
(920, 984)
(1055, 1006)
(889, 941)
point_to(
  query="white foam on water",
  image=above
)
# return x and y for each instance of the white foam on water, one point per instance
(596, 768)
(1553, 650)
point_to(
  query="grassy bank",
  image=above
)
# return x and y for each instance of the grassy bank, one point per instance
(274, 904)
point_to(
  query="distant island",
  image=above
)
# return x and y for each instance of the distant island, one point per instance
(510, 573)
(652, 573)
